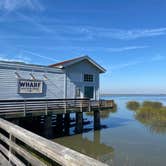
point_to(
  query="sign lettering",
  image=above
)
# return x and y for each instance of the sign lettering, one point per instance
(30, 86)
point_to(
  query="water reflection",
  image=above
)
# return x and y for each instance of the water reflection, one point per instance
(91, 147)
(104, 114)
(151, 114)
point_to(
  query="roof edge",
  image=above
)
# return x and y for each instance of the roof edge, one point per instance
(76, 60)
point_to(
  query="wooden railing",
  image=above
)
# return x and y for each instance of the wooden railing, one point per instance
(44, 106)
(102, 103)
(24, 107)
(21, 147)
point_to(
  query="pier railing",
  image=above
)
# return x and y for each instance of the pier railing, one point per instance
(21, 147)
(44, 106)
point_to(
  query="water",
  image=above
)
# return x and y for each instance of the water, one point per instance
(124, 141)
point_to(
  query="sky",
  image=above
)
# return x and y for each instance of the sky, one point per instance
(126, 37)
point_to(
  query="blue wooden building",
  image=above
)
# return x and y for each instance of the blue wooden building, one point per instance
(75, 78)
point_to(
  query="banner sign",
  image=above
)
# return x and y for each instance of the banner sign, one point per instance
(30, 86)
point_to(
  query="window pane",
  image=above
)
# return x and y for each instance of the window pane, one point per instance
(78, 92)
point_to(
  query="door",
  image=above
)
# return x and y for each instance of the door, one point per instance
(89, 92)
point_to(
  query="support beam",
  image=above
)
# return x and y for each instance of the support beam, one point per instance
(97, 120)
(79, 122)
(67, 123)
(59, 125)
(48, 126)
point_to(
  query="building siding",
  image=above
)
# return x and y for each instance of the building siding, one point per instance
(61, 83)
(53, 87)
(75, 75)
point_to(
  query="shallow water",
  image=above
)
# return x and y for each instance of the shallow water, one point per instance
(124, 141)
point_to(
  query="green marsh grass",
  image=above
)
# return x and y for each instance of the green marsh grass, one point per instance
(133, 105)
(151, 114)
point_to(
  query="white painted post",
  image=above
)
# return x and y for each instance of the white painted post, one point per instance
(24, 108)
(89, 106)
(81, 105)
(65, 106)
(46, 108)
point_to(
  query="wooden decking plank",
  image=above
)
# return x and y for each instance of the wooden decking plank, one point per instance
(4, 161)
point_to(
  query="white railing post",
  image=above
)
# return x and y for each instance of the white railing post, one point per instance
(65, 106)
(46, 107)
(12, 139)
(81, 105)
(24, 108)
(89, 106)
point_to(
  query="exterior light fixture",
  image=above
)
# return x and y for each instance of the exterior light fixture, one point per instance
(45, 77)
(32, 76)
(17, 75)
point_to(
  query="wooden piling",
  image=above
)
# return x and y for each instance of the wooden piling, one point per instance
(48, 126)
(79, 122)
(67, 123)
(97, 120)
(59, 125)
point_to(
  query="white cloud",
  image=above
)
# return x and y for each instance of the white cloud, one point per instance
(154, 58)
(35, 23)
(38, 55)
(127, 48)
(16, 59)
(122, 34)
(126, 65)
(12, 5)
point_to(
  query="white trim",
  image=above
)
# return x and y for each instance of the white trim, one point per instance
(22, 66)
(85, 58)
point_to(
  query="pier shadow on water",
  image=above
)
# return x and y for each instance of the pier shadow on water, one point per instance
(65, 134)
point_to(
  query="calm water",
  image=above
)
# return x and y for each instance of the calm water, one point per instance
(123, 141)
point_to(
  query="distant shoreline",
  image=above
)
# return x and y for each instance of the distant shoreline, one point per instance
(133, 94)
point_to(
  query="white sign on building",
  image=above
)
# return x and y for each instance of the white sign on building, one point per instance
(30, 86)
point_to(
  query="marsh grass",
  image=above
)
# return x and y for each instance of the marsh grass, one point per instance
(133, 105)
(151, 114)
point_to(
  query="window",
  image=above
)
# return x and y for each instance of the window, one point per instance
(88, 77)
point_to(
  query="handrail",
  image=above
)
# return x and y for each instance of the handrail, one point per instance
(42, 106)
(55, 152)
(22, 100)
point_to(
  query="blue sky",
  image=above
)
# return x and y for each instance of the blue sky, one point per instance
(127, 37)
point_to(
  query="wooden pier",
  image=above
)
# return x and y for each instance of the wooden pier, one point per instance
(21, 147)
